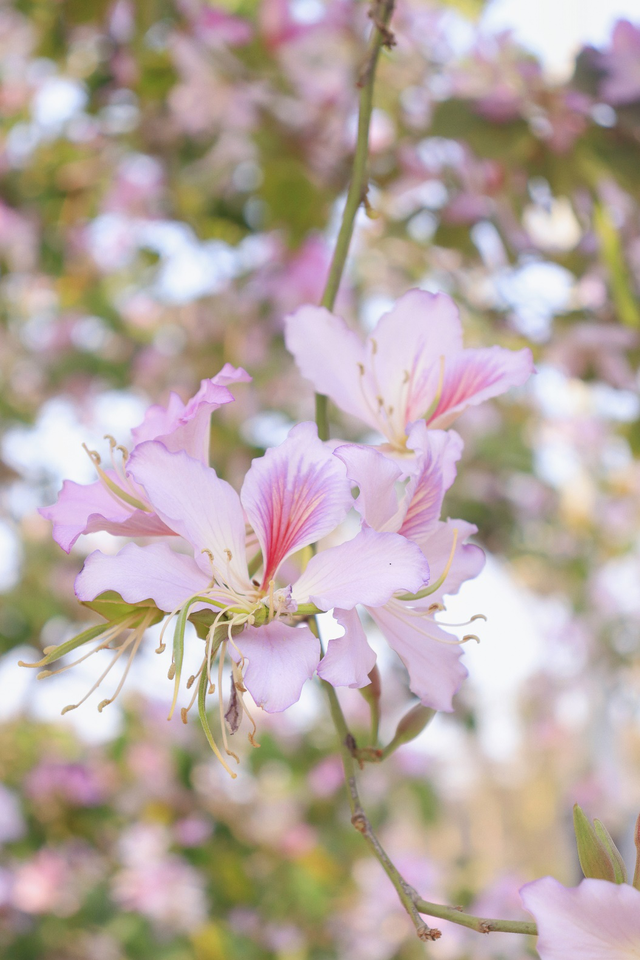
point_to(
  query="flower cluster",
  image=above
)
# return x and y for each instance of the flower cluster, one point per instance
(251, 570)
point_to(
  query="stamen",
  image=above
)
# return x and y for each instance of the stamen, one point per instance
(225, 742)
(125, 646)
(138, 634)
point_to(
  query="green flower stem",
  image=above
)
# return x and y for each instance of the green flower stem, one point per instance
(413, 904)
(381, 12)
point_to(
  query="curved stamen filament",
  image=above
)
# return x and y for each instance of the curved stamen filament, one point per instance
(225, 743)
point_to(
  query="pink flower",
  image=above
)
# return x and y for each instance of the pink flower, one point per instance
(294, 496)
(597, 920)
(430, 654)
(412, 366)
(114, 503)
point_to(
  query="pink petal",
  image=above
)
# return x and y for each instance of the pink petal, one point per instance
(375, 476)
(596, 920)
(142, 573)
(330, 356)
(476, 375)
(405, 350)
(87, 508)
(194, 502)
(434, 472)
(294, 495)
(435, 670)
(279, 661)
(368, 569)
(230, 374)
(349, 659)
(468, 559)
(184, 426)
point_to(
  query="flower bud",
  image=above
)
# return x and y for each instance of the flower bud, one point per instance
(592, 853)
(410, 726)
(619, 868)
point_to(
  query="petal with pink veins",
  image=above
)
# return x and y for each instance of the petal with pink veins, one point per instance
(349, 659)
(330, 356)
(87, 508)
(279, 660)
(193, 501)
(477, 375)
(438, 452)
(405, 350)
(368, 569)
(596, 920)
(154, 572)
(294, 495)
(432, 662)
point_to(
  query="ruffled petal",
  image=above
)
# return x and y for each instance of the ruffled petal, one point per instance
(331, 356)
(596, 920)
(375, 476)
(194, 502)
(349, 659)
(476, 375)
(294, 495)
(279, 661)
(230, 374)
(434, 667)
(138, 573)
(87, 508)
(468, 559)
(437, 454)
(368, 569)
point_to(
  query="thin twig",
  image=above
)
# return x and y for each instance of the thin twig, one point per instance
(411, 901)
(381, 13)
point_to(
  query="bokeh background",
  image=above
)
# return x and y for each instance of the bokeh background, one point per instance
(172, 174)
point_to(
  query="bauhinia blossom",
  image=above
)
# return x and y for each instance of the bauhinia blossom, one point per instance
(597, 920)
(412, 366)
(430, 654)
(292, 497)
(114, 502)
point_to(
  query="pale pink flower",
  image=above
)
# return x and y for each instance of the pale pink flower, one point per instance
(115, 503)
(412, 366)
(294, 496)
(597, 920)
(430, 654)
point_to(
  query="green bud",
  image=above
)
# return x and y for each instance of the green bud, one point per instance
(412, 724)
(636, 837)
(619, 868)
(592, 853)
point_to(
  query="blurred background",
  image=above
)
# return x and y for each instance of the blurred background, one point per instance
(172, 175)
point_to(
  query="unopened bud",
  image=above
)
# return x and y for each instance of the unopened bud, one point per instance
(594, 857)
(412, 724)
(373, 689)
(619, 868)
(636, 837)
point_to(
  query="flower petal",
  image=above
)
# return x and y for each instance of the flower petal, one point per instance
(468, 559)
(330, 355)
(138, 573)
(368, 569)
(434, 667)
(476, 375)
(279, 661)
(596, 920)
(405, 350)
(375, 476)
(193, 501)
(349, 659)
(87, 508)
(434, 472)
(294, 495)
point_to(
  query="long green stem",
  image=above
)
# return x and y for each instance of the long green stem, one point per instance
(413, 904)
(381, 13)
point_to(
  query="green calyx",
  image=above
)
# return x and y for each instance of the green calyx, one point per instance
(599, 857)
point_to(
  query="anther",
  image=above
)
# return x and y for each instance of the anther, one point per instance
(470, 636)
(103, 704)
(374, 345)
(228, 555)
(171, 671)
(361, 369)
(161, 648)
(93, 455)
